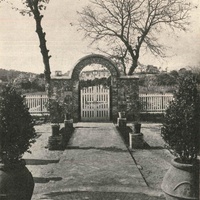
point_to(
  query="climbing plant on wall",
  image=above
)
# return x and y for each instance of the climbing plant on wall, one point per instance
(102, 81)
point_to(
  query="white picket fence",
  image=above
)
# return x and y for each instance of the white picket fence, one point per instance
(155, 103)
(37, 104)
(150, 103)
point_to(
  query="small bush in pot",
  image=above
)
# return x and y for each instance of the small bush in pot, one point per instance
(17, 133)
(56, 115)
(67, 107)
(180, 131)
(67, 112)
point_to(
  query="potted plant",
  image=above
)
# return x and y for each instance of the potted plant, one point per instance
(56, 115)
(136, 138)
(181, 132)
(17, 133)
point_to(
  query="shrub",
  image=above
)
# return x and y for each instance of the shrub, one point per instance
(55, 109)
(17, 131)
(181, 122)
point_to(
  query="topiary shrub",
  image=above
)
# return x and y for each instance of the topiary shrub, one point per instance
(17, 131)
(181, 122)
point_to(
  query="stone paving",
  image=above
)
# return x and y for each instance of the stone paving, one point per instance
(96, 165)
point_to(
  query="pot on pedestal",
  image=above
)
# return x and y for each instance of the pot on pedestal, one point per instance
(55, 129)
(136, 140)
(68, 123)
(136, 127)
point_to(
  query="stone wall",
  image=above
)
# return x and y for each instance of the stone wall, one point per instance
(124, 95)
(128, 96)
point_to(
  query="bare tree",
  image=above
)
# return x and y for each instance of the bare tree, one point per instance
(34, 8)
(129, 26)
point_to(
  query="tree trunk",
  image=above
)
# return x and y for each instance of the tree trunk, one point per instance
(43, 48)
(133, 67)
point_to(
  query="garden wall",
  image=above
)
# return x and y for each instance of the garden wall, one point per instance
(124, 92)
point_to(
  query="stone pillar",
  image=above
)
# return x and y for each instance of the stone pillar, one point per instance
(128, 95)
(76, 103)
(114, 98)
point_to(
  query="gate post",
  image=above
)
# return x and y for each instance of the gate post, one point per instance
(128, 95)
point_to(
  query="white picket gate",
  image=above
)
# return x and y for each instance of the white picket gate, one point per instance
(95, 103)
(155, 103)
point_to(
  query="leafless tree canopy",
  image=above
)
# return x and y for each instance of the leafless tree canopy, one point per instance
(127, 26)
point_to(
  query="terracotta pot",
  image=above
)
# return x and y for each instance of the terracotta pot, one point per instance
(68, 124)
(16, 182)
(55, 129)
(136, 127)
(181, 182)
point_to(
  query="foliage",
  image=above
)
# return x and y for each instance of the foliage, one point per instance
(166, 79)
(17, 131)
(55, 108)
(102, 81)
(122, 107)
(26, 84)
(165, 82)
(122, 29)
(67, 107)
(181, 122)
(10, 75)
(60, 108)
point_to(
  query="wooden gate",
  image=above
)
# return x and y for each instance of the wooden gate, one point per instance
(95, 103)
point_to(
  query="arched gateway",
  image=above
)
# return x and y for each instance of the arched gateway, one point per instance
(123, 91)
(94, 103)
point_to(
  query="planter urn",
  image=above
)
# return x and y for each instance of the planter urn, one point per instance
(68, 123)
(55, 129)
(181, 181)
(16, 181)
(136, 127)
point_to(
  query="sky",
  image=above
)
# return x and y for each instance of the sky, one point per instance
(19, 45)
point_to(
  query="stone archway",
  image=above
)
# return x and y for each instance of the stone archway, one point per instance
(82, 63)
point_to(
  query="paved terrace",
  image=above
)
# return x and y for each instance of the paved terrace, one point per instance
(96, 165)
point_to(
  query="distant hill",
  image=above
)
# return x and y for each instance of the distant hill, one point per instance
(9, 75)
